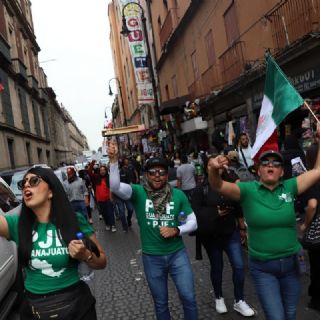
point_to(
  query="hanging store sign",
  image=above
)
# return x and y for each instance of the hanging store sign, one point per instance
(138, 50)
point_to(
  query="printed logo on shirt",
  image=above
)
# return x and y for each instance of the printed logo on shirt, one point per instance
(49, 247)
(166, 219)
(286, 197)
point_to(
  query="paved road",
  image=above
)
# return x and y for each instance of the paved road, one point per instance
(122, 292)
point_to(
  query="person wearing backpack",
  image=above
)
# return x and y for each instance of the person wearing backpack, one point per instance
(220, 222)
(240, 170)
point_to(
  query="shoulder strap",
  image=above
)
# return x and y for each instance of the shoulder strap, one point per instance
(244, 158)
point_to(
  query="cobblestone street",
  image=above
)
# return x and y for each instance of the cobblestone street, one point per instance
(122, 292)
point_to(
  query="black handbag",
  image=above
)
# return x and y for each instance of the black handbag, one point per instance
(311, 237)
(54, 306)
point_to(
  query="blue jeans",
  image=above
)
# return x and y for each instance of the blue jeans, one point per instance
(232, 246)
(80, 206)
(121, 205)
(106, 208)
(277, 284)
(157, 269)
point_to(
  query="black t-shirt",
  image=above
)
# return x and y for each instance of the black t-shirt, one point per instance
(127, 174)
(313, 193)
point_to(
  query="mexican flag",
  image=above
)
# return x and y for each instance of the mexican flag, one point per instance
(280, 98)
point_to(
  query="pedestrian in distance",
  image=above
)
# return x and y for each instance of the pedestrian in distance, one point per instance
(186, 176)
(275, 255)
(221, 229)
(76, 191)
(46, 236)
(100, 181)
(158, 207)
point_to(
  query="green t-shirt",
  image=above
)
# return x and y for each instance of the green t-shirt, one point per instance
(270, 216)
(152, 242)
(51, 267)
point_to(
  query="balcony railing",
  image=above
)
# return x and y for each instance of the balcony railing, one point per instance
(196, 89)
(210, 79)
(168, 26)
(292, 20)
(20, 69)
(232, 62)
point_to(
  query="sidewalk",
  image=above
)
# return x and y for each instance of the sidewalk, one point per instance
(122, 292)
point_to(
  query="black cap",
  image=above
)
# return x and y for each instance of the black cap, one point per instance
(271, 153)
(156, 162)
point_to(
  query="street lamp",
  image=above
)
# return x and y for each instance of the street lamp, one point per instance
(125, 32)
(122, 107)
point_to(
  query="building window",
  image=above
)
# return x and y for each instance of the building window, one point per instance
(195, 65)
(167, 92)
(11, 153)
(231, 24)
(174, 86)
(210, 48)
(48, 156)
(159, 23)
(39, 151)
(165, 3)
(28, 153)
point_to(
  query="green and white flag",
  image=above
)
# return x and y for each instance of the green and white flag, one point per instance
(280, 98)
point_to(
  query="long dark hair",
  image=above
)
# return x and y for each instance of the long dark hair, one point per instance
(99, 177)
(62, 216)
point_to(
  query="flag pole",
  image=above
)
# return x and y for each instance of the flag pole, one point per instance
(307, 105)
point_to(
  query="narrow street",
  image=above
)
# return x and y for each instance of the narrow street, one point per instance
(122, 292)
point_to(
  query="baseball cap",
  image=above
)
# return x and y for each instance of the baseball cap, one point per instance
(156, 162)
(233, 155)
(271, 153)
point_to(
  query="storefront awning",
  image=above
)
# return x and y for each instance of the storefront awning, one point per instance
(174, 105)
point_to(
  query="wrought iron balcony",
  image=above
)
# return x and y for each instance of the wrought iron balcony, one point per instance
(293, 19)
(211, 79)
(232, 62)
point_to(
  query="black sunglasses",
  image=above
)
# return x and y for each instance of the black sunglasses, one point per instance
(33, 182)
(274, 163)
(161, 172)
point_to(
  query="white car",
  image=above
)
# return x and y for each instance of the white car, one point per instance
(18, 176)
(8, 257)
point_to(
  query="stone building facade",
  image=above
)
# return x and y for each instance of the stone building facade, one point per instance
(33, 128)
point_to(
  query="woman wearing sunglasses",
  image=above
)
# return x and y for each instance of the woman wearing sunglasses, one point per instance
(46, 236)
(274, 250)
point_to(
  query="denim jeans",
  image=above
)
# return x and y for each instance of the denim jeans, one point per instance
(277, 284)
(232, 246)
(106, 208)
(121, 205)
(80, 206)
(157, 269)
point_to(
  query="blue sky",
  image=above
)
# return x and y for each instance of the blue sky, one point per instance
(75, 35)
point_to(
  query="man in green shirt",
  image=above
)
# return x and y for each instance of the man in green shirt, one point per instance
(268, 207)
(158, 208)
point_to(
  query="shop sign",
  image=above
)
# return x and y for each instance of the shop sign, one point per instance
(138, 51)
(303, 82)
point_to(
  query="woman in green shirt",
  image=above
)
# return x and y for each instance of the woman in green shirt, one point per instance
(49, 251)
(268, 207)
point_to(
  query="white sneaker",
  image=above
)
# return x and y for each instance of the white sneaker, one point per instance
(243, 308)
(108, 228)
(113, 229)
(221, 306)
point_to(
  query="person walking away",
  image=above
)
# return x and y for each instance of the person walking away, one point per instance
(76, 191)
(83, 174)
(268, 206)
(49, 252)
(186, 177)
(127, 175)
(157, 207)
(220, 229)
(312, 197)
(245, 150)
(103, 196)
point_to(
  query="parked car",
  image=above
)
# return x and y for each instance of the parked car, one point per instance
(9, 288)
(18, 176)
